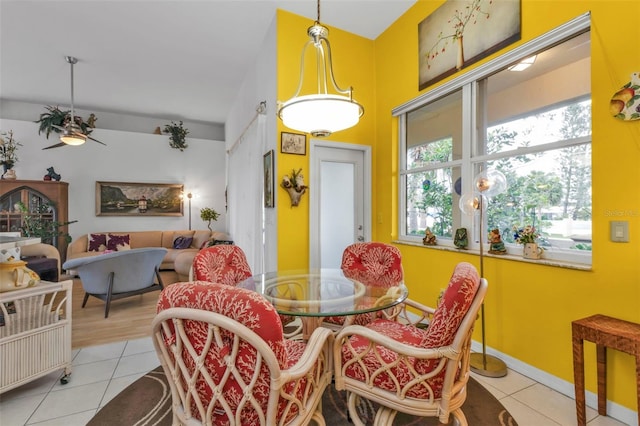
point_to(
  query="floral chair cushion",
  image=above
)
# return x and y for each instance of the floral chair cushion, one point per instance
(373, 264)
(224, 264)
(254, 312)
(442, 330)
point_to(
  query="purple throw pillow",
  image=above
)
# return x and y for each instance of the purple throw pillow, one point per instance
(181, 243)
(97, 242)
(118, 242)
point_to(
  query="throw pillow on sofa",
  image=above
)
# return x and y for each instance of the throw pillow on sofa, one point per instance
(97, 242)
(182, 243)
(118, 242)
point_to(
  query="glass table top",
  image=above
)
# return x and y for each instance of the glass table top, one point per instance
(323, 292)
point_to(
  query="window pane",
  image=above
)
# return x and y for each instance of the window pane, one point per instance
(551, 191)
(434, 132)
(429, 202)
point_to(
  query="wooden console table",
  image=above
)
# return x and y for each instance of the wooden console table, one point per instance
(605, 332)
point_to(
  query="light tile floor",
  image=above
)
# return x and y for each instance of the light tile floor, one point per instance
(101, 372)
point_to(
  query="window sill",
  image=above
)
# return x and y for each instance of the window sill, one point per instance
(545, 262)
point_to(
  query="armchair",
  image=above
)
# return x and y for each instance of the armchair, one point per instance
(227, 264)
(112, 276)
(227, 363)
(402, 367)
(224, 264)
(373, 264)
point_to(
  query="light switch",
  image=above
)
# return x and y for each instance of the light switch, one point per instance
(619, 231)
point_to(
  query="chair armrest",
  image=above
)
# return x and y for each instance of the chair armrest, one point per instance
(321, 340)
(394, 345)
(410, 312)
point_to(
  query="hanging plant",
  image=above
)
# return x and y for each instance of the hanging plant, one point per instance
(57, 117)
(178, 134)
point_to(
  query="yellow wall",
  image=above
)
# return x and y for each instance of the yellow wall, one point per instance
(353, 65)
(529, 307)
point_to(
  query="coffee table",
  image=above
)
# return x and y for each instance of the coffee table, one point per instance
(314, 294)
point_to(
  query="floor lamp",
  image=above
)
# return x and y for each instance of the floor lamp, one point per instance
(486, 184)
(189, 196)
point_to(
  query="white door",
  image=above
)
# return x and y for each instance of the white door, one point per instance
(340, 200)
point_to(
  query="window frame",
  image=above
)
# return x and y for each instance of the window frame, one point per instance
(470, 83)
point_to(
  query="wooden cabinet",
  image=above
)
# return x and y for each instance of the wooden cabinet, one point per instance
(34, 194)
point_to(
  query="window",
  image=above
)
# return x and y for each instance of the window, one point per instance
(534, 126)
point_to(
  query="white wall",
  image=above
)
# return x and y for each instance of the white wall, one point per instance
(128, 157)
(259, 85)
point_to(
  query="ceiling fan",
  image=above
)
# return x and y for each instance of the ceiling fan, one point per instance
(71, 132)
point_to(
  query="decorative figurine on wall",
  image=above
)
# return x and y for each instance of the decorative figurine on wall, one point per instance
(294, 185)
(52, 175)
(497, 246)
(461, 240)
(429, 238)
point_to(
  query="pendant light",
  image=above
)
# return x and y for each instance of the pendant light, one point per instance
(322, 113)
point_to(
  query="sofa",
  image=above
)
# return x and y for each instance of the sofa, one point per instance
(181, 246)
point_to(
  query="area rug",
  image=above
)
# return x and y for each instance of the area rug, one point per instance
(147, 402)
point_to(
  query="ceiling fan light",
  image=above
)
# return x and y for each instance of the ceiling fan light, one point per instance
(73, 139)
(321, 114)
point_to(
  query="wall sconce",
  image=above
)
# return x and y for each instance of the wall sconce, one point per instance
(295, 186)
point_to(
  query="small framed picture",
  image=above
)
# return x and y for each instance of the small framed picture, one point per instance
(293, 143)
(268, 179)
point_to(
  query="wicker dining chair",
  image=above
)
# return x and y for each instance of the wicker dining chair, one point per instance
(407, 368)
(227, 264)
(226, 364)
(374, 264)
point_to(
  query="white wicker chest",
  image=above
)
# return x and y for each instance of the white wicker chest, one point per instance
(35, 333)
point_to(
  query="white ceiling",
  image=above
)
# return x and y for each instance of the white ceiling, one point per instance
(180, 59)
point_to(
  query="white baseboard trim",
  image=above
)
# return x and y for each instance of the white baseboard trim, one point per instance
(614, 410)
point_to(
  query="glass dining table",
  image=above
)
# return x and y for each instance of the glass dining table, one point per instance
(315, 294)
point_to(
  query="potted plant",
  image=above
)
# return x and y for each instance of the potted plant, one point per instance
(8, 148)
(37, 224)
(57, 117)
(528, 237)
(207, 214)
(178, 134)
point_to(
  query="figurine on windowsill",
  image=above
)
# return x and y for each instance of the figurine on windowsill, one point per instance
(461, 240)
(496, 244)
(429, 239)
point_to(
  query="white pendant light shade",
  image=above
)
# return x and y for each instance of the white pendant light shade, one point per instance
(320, 115)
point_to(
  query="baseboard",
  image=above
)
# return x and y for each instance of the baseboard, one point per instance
(614, 410)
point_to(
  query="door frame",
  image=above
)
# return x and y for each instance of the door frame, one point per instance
(314, 196)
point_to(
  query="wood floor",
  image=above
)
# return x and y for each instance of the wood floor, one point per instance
(129, 318)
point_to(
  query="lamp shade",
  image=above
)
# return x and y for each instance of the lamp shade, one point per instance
(490, 183)
(72, 139)
(470, 203)
(320, 114)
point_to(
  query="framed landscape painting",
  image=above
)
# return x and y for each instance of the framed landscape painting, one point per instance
(139, 199)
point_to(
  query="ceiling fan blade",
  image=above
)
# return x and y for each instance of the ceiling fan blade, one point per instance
(55, 146)
(95, 140)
